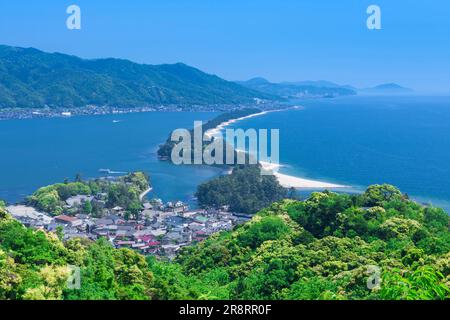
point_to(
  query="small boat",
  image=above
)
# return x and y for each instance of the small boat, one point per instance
(109, 171)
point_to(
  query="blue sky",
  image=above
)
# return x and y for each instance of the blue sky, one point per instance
(284, 40)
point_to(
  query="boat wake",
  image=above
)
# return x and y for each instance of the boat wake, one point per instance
(109, 171)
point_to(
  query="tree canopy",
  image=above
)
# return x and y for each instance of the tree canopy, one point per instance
(123, 192)
(244, 191)
(378, 245)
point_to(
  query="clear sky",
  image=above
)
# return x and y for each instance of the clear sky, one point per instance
(281, 40)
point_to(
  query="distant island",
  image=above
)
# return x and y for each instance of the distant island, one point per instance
(320, 89)
(386, 89)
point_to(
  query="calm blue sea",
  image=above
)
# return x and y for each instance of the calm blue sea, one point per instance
(359, 141)
(38, 152)
(354, 141)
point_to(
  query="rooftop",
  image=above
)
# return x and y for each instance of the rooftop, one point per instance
(66, 218)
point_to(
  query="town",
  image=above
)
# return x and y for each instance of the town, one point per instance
(160, 229)
(91, 110)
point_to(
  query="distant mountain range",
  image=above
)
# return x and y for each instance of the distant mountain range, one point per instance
(292, 90)
(30, 78)
(319, 88)
(386, 89)
(35, 79)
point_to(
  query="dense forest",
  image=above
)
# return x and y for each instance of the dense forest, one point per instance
(326, 247)
(30, 78)
(122, 191)
(245, 190)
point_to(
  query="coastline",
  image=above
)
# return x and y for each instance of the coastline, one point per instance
(217, 130)
(289, 181)
(285, 180)
(300, 183)
(145, 193)
(45, 113)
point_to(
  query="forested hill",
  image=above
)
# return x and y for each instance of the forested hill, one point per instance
(34, 79)
(378, 245)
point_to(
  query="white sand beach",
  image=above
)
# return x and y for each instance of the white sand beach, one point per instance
(295, 182)
(143, 194)
(299, 183)
(284, 179)
(216, 132)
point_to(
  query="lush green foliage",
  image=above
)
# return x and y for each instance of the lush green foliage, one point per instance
(322, 248)
(108, 273)
(32, 78)
(3, 212)
(50, 199)
(35, 266)
(245, 190)
(124, 192)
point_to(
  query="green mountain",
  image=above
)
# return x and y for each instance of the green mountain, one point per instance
(34, 79)
(378, 245)
(294, 90)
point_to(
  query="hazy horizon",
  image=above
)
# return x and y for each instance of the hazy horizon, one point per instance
(240, 40)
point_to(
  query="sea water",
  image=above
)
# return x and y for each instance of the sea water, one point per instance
(39, 152)
(360, 141)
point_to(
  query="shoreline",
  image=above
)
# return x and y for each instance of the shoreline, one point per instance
(60, 112)
(289, 181)
(300, 183)
(285, 180)
(217, 130)
(145, 193)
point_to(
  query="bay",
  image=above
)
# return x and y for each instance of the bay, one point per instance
(39, 152)
(354, 141)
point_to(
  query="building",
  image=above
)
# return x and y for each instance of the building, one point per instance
(70, 221)
(77, 201)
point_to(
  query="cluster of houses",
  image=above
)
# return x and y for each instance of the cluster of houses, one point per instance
(161, 229)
